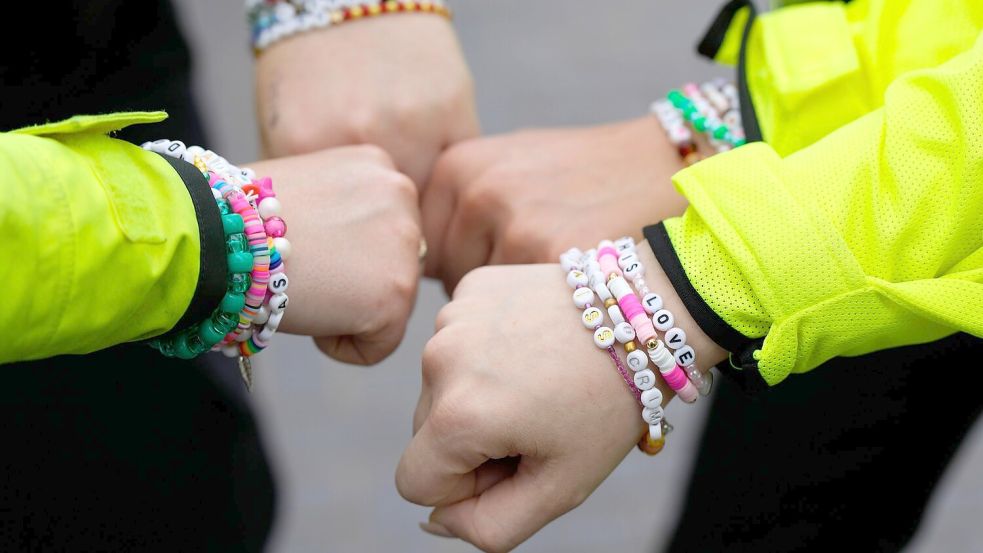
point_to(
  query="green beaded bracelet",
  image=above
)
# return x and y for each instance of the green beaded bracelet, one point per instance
(203, 336)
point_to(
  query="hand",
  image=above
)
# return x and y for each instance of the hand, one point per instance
(398, 81)
(528, 196)
(353, 224)
(521, 416)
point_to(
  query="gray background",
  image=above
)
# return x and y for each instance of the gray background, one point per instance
(335, 432)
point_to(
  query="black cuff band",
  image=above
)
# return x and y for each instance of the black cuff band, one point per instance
(213, 265)
(742, 366)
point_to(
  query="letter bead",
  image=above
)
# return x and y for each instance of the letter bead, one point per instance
(626, 259)
(637, 360)
(675, 338)
(278, 303)
(685, 356)
(577, 278)
(582, 297)
(625, 244)
(652, 303)
(604, 337)
(592, 317)
(645, 379)
(663, 320)
(278, 283)
(653, 415)
(652, 398)
(635, 271)
(615, 313)
(624, 333)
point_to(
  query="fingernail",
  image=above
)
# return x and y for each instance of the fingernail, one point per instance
(436, 529)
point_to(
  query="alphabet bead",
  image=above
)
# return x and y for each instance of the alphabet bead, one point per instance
(652, 415)
(637, 360)
(675, 338)
(582, 297)
(604, 337)
(652, 303)
(663, 320)
(592, 317)
(623, 332)
(685, 356)
(278, 283)
(278, 303)
(645, 379)
(577, 278)
(652, 398)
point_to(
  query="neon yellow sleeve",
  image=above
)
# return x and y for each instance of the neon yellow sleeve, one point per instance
(103, 239)
(870, 238)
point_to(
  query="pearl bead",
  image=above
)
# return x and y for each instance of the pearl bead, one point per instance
(637, 360)
(269, 207)
(577, 278)
(645, 379)
(615, 313)
(278, 303)
(663, 320)
(654, 415)
(675, 337)
(652, 398)
(652, 303)
(582, 297)
(604, 337)
(282, 246)
(591, 317)
(278, 283)
(624, 333)
(262, 315)
(685, 356)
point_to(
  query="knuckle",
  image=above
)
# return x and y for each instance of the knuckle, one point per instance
(373, 154)
(298, 139)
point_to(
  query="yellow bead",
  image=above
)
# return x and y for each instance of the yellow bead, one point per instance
(649, 446)
(629, 347)
(392, 6)
(426, 6)
(375, 9)
(409, 5)
(356, 12)
(200, 164)
(610, 301)
(337, 17)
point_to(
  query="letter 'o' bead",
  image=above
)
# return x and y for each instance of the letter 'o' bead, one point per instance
(604, 337)
(645, 379)
(663, 320)
(592, 317)
(637, 360)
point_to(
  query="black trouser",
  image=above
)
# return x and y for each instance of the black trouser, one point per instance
(845, 455)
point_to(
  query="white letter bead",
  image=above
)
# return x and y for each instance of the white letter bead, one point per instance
(269, 207)
(635, 270)
(675, 337)
(655, 431)
(685, 356)
(278, 283)
(645, 379)
(652, 303)
(176, 149)
(262, 315)
(625, 244)
(624, 333)
(576, 278)
(663, 320)
(615, 313)
(582, 297)
(637, 360)
(592, 317)
(282, 246)
(619, 287)
(602, 290)
(569, 262)
(652, 398)
(626, 259)
(278, 303)
(661, 357)
(604, 337)
(653, 416)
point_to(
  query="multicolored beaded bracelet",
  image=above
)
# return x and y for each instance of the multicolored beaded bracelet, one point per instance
(203, 336)
(273, 20)
(712, 108)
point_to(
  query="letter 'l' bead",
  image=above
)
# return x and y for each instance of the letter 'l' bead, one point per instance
(652, 303)
(645, 379)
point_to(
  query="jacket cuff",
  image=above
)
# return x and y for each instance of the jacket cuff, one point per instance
(213, 264)
(743, 367)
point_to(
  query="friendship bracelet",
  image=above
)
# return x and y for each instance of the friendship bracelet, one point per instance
(273, 20)
(712, 108)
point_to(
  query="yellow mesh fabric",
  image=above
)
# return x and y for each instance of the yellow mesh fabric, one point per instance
(868, 239)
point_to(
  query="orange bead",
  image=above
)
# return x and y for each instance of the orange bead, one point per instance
(649, 446)
(250, 189)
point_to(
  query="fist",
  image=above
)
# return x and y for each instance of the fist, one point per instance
(528, 196)
(354, 227)
(398, 81)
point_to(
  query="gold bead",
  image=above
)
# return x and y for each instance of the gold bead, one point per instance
(612, 276)
(375, 9)
(629, 347)
(610, 301)
(652, 343)
(392, 6)
(356, 12)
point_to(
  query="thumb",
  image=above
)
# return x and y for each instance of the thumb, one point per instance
(508, 513)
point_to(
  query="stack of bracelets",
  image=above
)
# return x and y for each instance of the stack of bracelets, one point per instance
(611, 275)
(272, 20)
(712, 108)
(255, 299)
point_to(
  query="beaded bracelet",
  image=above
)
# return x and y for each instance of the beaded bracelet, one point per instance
(203, 336)
(273, 20)
(712, 108)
